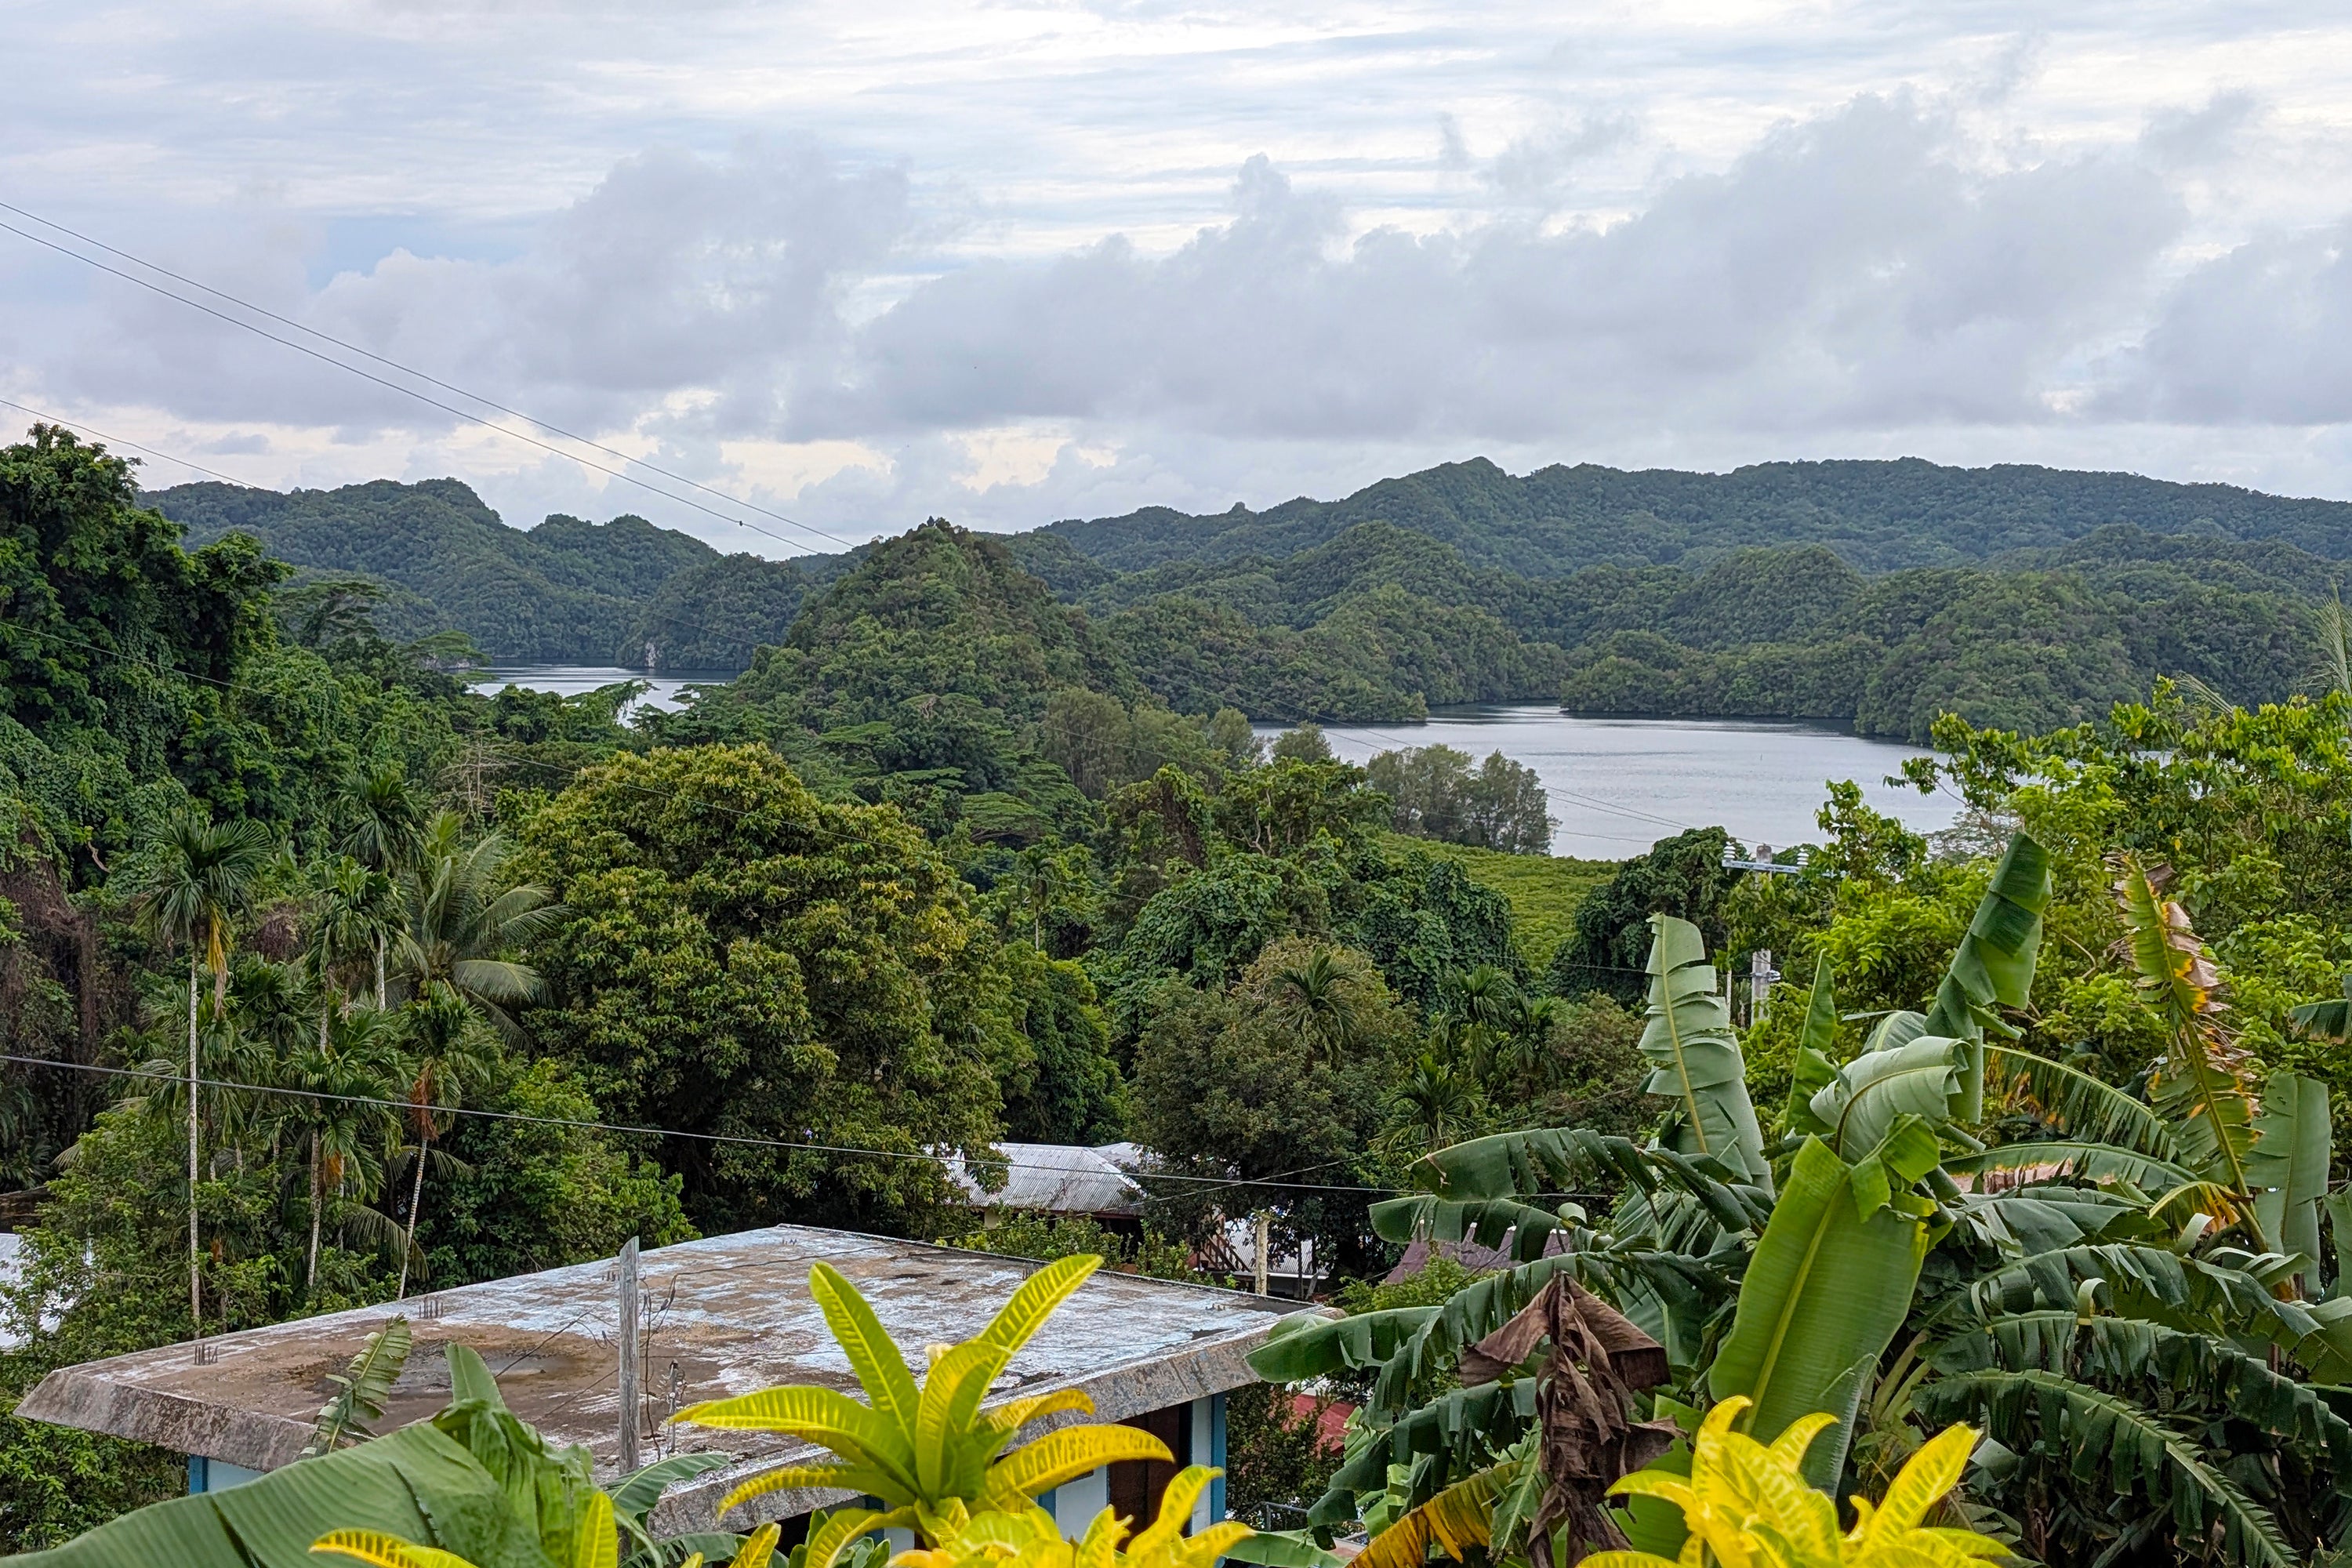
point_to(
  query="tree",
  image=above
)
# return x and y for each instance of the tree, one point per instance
(448, 1050)
(1682, 877)
(1225, 1090)
(737, 956)
(464, 916)
(386, 835)
(355, 915)
(338, 1112)
(199, 879)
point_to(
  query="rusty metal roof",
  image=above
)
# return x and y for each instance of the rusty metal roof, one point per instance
(725, 1315)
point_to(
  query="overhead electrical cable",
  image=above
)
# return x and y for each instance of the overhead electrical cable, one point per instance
(430, 401)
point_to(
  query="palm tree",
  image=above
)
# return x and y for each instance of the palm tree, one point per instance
(346, 1081)
(1436, 1106)
(358, 913)
(199, 876)
(460, 921)
(448, 1048)
(1319, 997)
(386, 834)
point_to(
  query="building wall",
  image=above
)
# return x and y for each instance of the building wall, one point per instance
(1075, 1503)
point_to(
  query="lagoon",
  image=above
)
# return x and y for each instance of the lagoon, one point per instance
(1617, 785)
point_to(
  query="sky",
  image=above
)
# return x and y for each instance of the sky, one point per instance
(856, 264)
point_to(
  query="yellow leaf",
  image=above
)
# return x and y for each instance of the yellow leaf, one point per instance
(382, 1551)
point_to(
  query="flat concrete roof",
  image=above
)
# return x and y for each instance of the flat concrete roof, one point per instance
(725, 1315)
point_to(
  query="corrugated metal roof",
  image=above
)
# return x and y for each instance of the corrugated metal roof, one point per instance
(725, 1315)
(1059, 1178)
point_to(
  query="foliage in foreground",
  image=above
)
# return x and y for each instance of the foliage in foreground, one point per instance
(1944, 1227)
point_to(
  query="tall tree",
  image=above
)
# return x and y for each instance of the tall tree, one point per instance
(450, 1051)
(200, 877)
(386, 835)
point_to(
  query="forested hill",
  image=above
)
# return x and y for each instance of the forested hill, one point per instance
(566, 591)
(1876, 594)
(1879, 516)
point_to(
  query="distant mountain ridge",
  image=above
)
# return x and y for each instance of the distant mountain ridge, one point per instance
(1879, 516)
(1873, 594)
(568, 591)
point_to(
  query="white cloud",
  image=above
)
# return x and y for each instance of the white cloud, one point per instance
(1033, 260)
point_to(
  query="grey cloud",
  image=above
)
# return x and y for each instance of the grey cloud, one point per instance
(676, 273)
(1539, 170)
(2255, 335)
(1851, 270)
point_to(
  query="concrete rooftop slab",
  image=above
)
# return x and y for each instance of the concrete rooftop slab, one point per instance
(724, 1316)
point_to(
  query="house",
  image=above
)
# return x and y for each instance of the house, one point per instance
(1060, 1179)
(722, 1316)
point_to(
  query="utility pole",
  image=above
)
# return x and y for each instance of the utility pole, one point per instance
(1760, 975)
(1257, 1270)
(630, 1411)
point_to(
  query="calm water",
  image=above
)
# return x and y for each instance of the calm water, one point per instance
(1617, 785)
(577, 679)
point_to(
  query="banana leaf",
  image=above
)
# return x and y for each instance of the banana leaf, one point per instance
(1860, 1103)
(1283, 1549)
(2288, 1167)
(417, 1484)
(1993, 966)
(1695, 1059)
(2203, 1087)
(1815, 1065)
(2327, 1019)
(1514, 1164)
(1822, 1297)
(1319, 1346)
(2084, 1107)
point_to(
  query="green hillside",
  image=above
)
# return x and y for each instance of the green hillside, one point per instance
(567, 591)
(1874, 594)
(1543, 891)
(1877, 515)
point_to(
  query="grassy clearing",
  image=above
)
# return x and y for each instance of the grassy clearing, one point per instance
(1544, 890)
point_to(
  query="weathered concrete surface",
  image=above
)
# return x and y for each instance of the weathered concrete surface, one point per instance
(724, 1316)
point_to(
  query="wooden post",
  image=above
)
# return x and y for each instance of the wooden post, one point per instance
(630, 1411)
(1258, 1270)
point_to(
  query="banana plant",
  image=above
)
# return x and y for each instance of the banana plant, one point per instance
(361, 1390)
(1696, 1061)
(930, 1455)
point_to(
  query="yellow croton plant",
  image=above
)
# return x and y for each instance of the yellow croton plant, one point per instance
(930, 1455)
(1032, 1539)
(1747, 1505)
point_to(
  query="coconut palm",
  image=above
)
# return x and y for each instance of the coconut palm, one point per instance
(462, 919)
(200, 876)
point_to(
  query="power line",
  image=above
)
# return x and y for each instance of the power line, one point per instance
(158, 1075)
(118, 441)
(411, 370)
(430, 401)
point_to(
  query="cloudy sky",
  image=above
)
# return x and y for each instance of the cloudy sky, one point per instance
(1007, 262)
